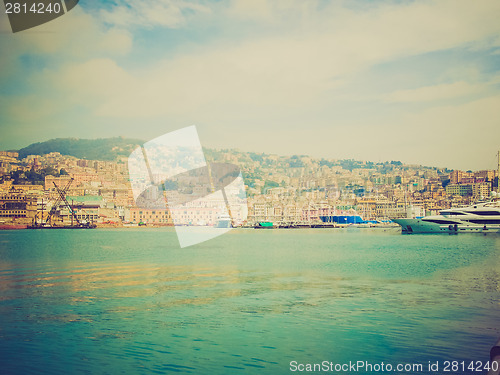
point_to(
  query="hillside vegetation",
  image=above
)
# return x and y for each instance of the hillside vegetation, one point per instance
(92, 149)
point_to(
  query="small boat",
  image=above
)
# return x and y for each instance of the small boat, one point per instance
(343, 219)
(224, 221)
(127, 225)
(12, 226)
(76, 226)
(264, 225)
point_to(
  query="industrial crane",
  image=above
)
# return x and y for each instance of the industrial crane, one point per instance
(61, 199)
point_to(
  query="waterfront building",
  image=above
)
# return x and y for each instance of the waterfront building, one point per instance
(17, 204)
(367, 208)
(260, 211)
(149, 216)
(86, 208)
(310, 213)
(386, 208)
(195, 215)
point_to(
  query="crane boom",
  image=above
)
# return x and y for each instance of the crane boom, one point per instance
(57, 203)
(62, 197)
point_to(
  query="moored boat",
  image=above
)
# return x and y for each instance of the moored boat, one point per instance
(75, 226)
(12, 226)
(223, 221)
(264, 225)
(478, 218)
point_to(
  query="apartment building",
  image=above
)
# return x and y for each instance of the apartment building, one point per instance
(149, 216)
(459, 189)
(17, 204)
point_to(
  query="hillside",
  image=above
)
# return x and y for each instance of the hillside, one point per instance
(92, 149)
(108, 149)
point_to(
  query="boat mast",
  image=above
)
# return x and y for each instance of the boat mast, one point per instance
(498, 173)
(41, 219)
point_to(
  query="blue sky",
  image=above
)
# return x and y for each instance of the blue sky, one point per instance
(397, 80)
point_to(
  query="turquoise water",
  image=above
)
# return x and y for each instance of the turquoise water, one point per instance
(132, 302)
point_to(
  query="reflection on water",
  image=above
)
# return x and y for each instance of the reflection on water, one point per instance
(131, 301)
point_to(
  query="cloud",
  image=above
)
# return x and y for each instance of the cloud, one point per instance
(465, 136)
(74, 36)
(91, 81)
(257, 9)
(456, 136)
(436, 93)
(149, 14)
(28, 109)
(301, 67)
(291, 68)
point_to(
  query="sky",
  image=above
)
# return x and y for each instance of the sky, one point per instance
(415, 81)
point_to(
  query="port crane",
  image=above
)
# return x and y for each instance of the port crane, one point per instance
(61, 200)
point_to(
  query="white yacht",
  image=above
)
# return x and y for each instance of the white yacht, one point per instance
(478, 218)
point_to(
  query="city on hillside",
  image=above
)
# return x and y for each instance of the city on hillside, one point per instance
(286, 190)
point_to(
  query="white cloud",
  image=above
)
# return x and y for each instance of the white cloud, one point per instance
(28, 109)
(257, 9)
(294, 67)
(148, 14)
(76, 35)
(302, 64)
(436, 93)
(92, 81)
(465, 136)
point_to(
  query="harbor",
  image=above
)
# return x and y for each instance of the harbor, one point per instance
(254, 187)
(319, 194)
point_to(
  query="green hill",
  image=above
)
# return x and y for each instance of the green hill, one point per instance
(92, 149)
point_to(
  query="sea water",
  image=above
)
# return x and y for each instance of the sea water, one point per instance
(131, 301)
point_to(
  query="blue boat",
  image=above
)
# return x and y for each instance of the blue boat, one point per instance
(343, 219)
